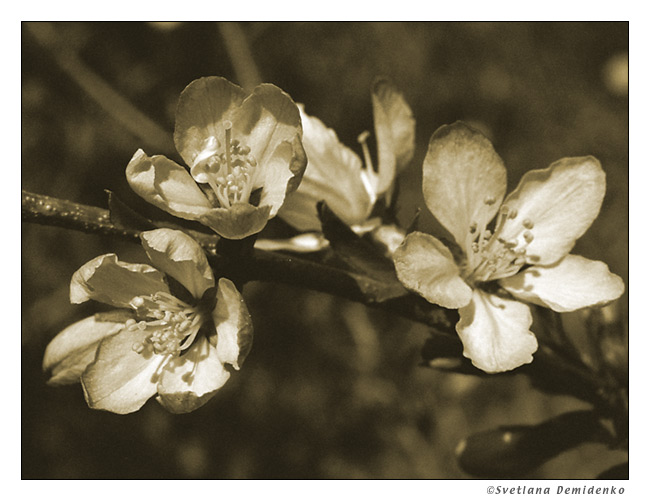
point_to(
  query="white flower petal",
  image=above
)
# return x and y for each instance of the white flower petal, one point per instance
(203, 107)
(191, 380)
(424, 265)
(333, 174)
(495, 333)
(74, 348)
(114, 282)
(395, 132)
(464, 180)
(120, 380)
(305, 242)
(181, 257)
(234, 336)
(167, 185)
(277, 178)
(560, 202)
(573, 283)
(239, 221)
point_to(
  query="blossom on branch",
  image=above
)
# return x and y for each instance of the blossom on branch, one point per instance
(170, 336)
(337, 175)
(244, 155)
(523, 257)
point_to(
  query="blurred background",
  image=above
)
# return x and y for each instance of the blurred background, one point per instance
(331, 389)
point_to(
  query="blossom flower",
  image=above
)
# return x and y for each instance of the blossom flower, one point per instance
(173, 345)
(523, 257)
(244, 155)
(337, 175)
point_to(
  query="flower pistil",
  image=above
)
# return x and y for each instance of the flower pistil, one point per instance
(229, 169)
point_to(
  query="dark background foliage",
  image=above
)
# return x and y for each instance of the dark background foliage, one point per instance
(330, 389)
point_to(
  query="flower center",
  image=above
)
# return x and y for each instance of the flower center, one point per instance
(228, 169)
(171, 323)
(492, 256)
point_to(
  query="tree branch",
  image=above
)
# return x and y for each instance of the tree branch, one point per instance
(262, 266)
(549, 371)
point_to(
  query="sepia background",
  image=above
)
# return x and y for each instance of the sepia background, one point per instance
(331, 389)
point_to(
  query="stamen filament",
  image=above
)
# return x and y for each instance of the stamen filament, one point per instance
(362, 139)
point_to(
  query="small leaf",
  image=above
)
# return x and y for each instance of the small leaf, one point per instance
(513, 451)
(361, 256)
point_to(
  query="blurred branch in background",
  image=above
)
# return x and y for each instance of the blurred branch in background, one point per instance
(240, 54)
(112, 102)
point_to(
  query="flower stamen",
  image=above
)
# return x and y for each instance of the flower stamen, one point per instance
(493, 256)
(362, 139)
(172, 324)
(229, 169)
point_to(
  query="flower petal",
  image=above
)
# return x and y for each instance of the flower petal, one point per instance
(191, 380)
(234, 326)
(573, 283)
(561, 202)
(305, 242)
(464, 180)
(395, 132)
(267, 118)
(114, 282)
(181, 257)
(495, 332)
(121, 380)
(333, 174)
(74, 348)
(424, 265)
(239, 221)
(268, 122)
(203, 106)
(281, 174)
(167, 185)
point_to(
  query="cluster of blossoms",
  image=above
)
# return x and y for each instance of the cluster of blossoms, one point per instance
(177, 330)
(244, 155)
